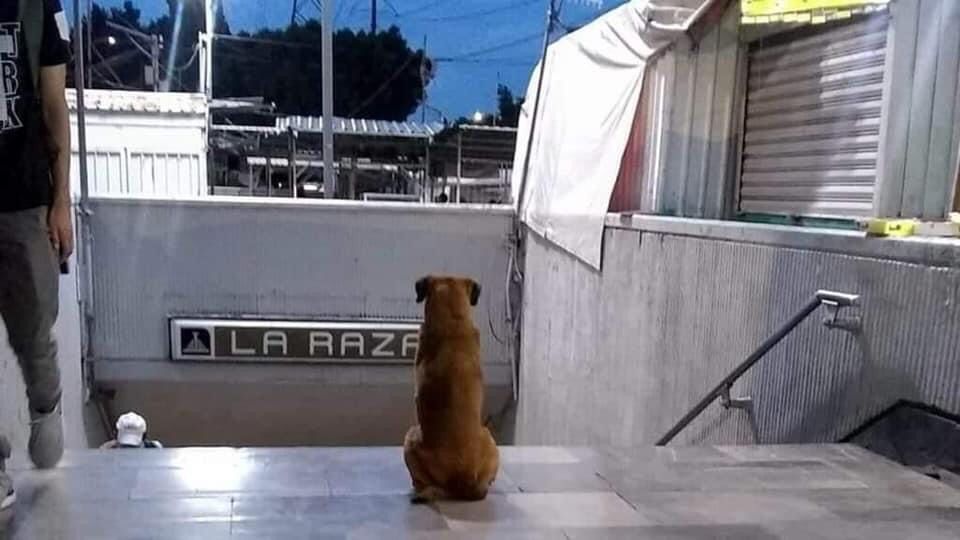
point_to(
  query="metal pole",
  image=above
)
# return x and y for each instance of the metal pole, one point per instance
(79, 75)
(536, 110)
(89, 45)
(423, 85)
(292, 160)
(85, 243)
(210, 15)
(373, 16)
(155, 61)
(427, 187)
(459, 162)
(270, 175)
(353, 179)
(329, 175)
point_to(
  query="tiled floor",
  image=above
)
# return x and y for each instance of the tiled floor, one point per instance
(790, 492)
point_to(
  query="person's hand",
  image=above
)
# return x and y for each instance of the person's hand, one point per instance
(61, 230)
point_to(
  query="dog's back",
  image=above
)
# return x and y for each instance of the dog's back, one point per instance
(453, 453)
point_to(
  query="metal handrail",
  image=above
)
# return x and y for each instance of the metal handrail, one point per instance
(829, 298)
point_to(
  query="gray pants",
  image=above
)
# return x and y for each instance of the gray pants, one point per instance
(29, 301)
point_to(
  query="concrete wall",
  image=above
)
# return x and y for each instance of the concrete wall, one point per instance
(280, 259)
(616, 357)
(14, 417)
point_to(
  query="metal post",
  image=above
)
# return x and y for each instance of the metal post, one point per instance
(459, 162)
(155, 61)
(79, 74)
(427, 184)
(85, 238)
(88, 49)
(292, 160)
(329, 175)
(373, 16)
(210, 15)
(533, 119)
(270, 176)
(423, 85)
(353, 179)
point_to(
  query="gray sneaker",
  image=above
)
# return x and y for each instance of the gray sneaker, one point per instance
(46, 438)
(7, 495)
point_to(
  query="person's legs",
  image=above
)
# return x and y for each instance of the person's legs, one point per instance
(29, 302)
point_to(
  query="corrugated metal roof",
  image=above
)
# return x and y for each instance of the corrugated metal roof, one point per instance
(359, 126)
(139, 102)
(476, 143)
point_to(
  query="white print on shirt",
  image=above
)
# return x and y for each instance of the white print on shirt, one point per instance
(9, 76)
(62, 25)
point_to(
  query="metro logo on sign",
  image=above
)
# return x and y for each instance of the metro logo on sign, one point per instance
(195, 342)
(294, 341)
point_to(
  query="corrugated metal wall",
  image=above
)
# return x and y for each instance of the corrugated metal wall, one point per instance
(160, 174)
(814, 99)
(693, 123)
(617, 357)
(921, 126)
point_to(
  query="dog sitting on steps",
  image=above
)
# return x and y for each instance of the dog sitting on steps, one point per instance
(450, 453)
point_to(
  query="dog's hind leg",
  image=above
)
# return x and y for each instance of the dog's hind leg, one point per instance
(490, 460)
(417, 461)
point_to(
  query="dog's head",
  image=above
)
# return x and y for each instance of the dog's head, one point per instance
(448, 294)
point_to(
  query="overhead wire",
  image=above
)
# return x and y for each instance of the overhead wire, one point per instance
(487, 50)
(383, 86)
(484, 13)
(426, 7)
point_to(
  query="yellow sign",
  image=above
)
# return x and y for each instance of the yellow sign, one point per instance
(805, 11)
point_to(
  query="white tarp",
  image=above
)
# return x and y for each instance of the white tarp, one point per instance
(591, 89)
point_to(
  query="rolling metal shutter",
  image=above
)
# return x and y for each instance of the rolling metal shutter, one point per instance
(813, 122)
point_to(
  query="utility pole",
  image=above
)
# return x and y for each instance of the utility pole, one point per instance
(206, 47)
(326, 53)
(525, 171)
(155, 61)
(152, 76)
(80, 74)
(373, 16)
(293, 13)
(423, 83)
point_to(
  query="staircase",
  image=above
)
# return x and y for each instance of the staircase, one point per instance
(754, 492)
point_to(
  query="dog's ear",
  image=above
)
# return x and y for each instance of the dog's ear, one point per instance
(423, 286)
(474, 292)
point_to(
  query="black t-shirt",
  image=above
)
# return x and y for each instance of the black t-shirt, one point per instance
(24, 160)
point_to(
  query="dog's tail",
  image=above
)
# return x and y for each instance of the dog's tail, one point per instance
(465, 487)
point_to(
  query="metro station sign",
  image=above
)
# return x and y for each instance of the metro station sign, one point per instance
(251, 341)
(805, 11)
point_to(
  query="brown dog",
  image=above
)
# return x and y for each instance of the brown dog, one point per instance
(450, 454)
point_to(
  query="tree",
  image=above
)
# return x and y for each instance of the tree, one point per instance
(375, 75)
(116, 62)
(183, 71)
(508, 107)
